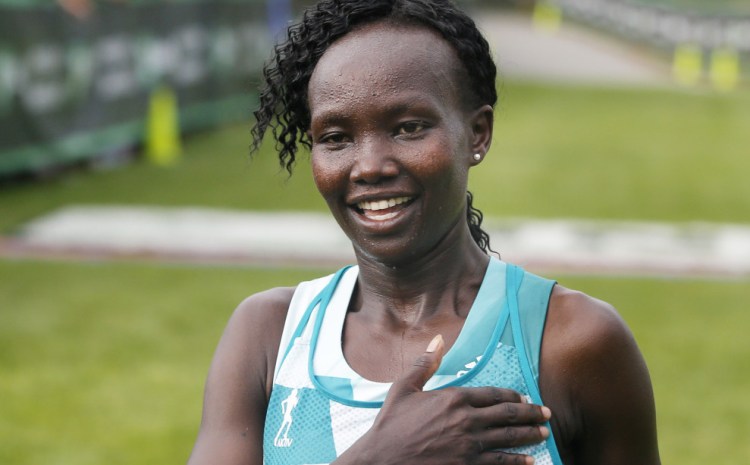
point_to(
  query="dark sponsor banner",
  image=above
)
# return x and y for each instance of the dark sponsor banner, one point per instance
(74, 87)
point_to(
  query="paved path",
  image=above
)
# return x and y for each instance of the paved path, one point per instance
(314, 239)
(572, 54)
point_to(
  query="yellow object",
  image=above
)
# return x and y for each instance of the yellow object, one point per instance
(163, 145)
(725, 69)
(687, 67)
(547, 17)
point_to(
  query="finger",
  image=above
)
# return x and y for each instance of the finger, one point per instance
(414, 379)
(488, 396)
(512, 413)
(496, 457)
(513, 436)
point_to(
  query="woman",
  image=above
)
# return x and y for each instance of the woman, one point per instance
(429, 351)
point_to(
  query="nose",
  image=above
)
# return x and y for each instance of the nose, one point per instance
(374, 162)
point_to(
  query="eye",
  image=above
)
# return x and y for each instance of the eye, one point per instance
(411, 128)
(333, 139)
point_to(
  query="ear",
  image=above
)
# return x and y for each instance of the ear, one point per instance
(481, 129)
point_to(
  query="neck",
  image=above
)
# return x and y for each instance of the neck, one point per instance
(444, 280)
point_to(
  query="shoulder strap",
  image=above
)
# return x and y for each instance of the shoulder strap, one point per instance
(322, 299)
(523, 354)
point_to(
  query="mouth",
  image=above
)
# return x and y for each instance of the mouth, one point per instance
(384, 209)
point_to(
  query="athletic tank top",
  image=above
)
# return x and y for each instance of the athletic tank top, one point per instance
(320, 406)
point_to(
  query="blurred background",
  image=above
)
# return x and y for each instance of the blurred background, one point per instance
(133, 221)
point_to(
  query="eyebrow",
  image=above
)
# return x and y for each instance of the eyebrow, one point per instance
(330, 117)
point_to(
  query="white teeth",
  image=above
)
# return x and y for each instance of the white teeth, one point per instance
(385, 216)
(382, 204)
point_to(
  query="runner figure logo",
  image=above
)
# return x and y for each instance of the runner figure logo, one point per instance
(282, 438)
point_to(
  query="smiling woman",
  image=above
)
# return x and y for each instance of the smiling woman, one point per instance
(429, 350)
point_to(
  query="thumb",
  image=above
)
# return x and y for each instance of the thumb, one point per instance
(414, 379)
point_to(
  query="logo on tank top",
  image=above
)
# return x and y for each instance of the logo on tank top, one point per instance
(282, 438)
(469, 366)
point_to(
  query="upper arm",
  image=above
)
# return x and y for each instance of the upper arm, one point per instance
(239, 381)
(596, 382)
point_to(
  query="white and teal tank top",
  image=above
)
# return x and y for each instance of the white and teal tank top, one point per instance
(320, 406)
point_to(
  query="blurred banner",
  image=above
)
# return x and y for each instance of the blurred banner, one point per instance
(76, 76)
(720, 25)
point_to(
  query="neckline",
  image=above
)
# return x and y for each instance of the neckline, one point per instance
(475, 337)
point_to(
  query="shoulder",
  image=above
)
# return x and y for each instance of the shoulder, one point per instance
(582, 322)
(595, 380)
(586, 337)
(239, 381)
(268, 307)
(255, 328)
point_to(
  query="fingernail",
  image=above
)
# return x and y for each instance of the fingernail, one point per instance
(529, 460)
(547, 413)
(545, 431)
(434, 343)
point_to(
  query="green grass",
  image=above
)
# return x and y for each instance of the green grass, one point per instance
(558, 151)
(104, 363)
(618, 154)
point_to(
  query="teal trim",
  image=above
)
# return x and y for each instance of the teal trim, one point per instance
(516, 276)
(477, 331)
(533, 301)
(342, 387)
(311, 356)
(486, 356)
(324, 296)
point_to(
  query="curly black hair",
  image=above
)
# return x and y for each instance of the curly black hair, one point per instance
(283, 100)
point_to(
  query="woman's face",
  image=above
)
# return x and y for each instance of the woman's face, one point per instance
(392, 142)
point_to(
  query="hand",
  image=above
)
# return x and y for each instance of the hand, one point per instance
(452, 425)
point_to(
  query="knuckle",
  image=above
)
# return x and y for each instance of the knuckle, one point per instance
(501, 458)
(469, 447)
(511, 435)
(511, 412)
(511, 459)
(455, 396)
(463, 419)
(502, 394)
(423, 361)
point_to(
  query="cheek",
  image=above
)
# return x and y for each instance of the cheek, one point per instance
(444, 167)
(328, 174)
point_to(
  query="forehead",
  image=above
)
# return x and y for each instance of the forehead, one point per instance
(383, 58)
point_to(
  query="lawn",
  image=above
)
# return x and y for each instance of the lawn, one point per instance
(104, 362)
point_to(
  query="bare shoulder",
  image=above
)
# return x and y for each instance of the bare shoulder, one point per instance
(256, 326)
(587, 338)
(579, 322)
(239, 381)
(263, 313)
(595, 380)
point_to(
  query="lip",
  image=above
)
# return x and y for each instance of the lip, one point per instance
(389, 218)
